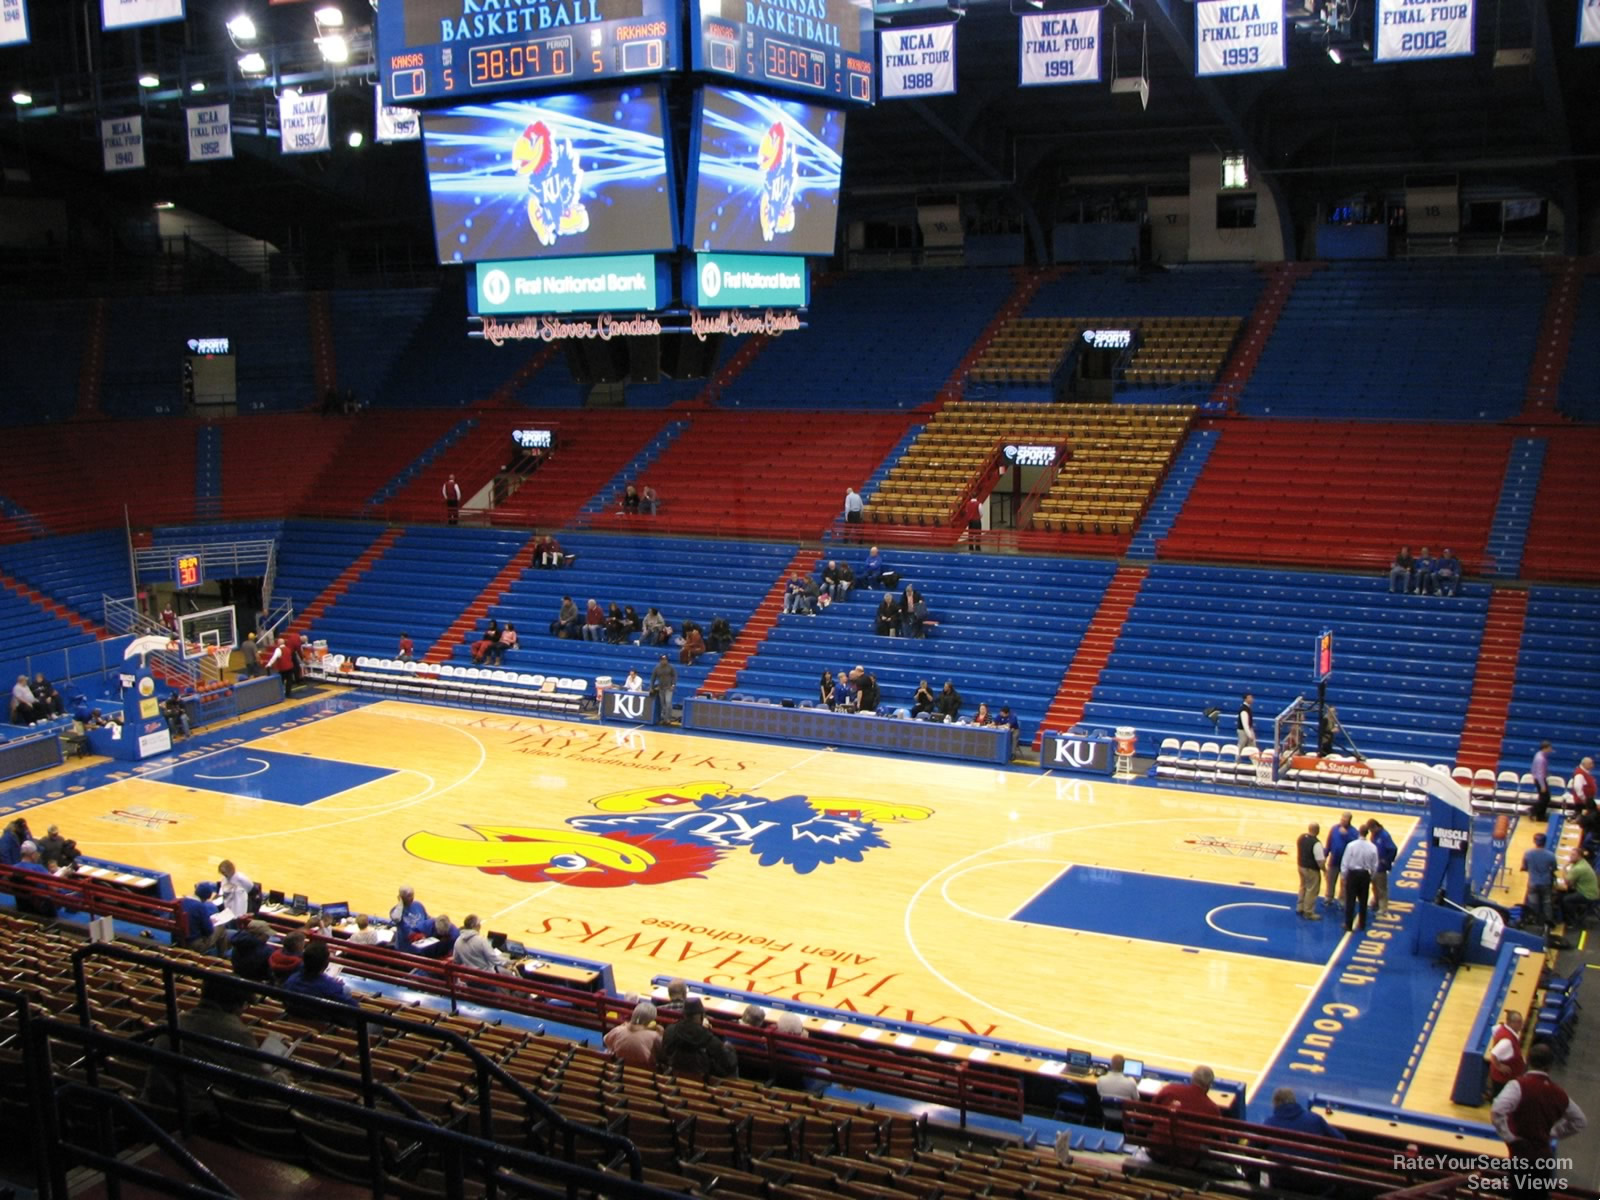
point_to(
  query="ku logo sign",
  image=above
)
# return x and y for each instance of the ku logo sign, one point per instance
(1081, 754)
(630, 705)
(648, 836)
(710, 281)
(497, 286)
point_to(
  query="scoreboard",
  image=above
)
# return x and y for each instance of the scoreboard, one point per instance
(434, 50)
(821, 48)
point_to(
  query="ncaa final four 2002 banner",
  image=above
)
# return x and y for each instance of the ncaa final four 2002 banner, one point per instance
(1409, 30)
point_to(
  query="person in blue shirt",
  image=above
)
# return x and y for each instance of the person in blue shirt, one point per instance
(1387, 853)
(1007, 718)
(1447, 573)
(1423, 573)
(872, 569)
(1539, 865)
(1288, 1113)
(193, 928)
(410, 920)
(1340, 836)
(16, 832)
(312, 979)
(29, 861)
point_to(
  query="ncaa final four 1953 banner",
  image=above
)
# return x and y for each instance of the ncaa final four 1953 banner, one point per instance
(1061, 47)
(13, 22)
(1589, 23)
(302, 122)
(1418, 29)
(1236, 36)
(918, 62)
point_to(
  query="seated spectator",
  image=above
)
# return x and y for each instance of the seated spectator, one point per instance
(649, 501)
(1422, 574)
(440, 941)
(616, 625)
(844, 578)
(908, 604)
(47, 696)
(692, 1047)
(630, 499)
(194, 928)
(365, 934)
(251, 952)
(473, 950)
(547, 552)
(16, 832)
(656, 631)
(215, 1016)
(753, 1017)
(638, 1042)
(922, 700)
(409, 918)
(633, 683)
(982, 717)
(872, 569)
(1007, 718)
(25, 707)
(57, 851)
(887, 622)
(632, 626)
(825, 689)
(949, 702)
(508, 641)
(1446, 574)
(694, 644)
(845, 696)
(312, 980)
(39, 906)
(285, 960)
(1192, 1098)
(568, 622)
(830, 576)
(1288, 1113)
(720, 636)
(916, 621)
(176, 714)
(406, 651)
(1579, 888)
(793, 1074)
(1114, 1086)
(1400, 571)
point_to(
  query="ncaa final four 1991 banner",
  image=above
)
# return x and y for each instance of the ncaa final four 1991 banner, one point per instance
(918, 62)
(1061, 47)
(1233, 37)
(1420, 29)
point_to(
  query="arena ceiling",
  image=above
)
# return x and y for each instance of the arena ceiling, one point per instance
(1320, 129)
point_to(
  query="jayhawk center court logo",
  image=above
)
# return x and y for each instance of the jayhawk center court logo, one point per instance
(647, 835)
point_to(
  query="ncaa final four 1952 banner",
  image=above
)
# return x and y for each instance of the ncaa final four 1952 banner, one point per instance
(1418, 29)
(210, 133)
(13, 22)
(1061, 47)
(918, 62)
(1589, 23)
(1235, 36)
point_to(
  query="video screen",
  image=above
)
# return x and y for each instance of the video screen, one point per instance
(551, 176)
(765, 174)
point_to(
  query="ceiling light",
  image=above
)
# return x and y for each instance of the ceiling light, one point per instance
(329, 16)
(334, 48)
(252, 64)
(149, 81)
(21, 97)
(1335, 54)
(199, 85)
(355, 139)
(165, 204)
(242, 28)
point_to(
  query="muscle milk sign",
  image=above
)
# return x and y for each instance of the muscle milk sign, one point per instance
(13, 22)
(303, 122)
(1061, 47)
(393, 123)
(123, 14)
(1232, 38)
(122, 143)
(210, 133)
(918, 62)
(1418, 29)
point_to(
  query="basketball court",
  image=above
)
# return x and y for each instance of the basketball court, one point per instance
(1014, 904)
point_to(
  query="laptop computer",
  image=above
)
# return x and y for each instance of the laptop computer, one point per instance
(1133, 1068)
(299, 904)
(515, 949)
(274, 897)
(336, 912)
(1079, 1061)
(497, 940)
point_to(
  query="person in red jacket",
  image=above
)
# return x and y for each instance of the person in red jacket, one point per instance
(294, 641)
(1505, 1052)
(1529, 1113)
(280, 660)
(1185, 1148)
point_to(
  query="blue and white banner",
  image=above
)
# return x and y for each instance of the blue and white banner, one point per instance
(1061, 47)
(13, 22)
(210, 133)
(1409, 30)
(918, 62)
(122, 143)
(393, 123)
(1232, 38)
(303, 122)
(125, 14)
(1589, 23)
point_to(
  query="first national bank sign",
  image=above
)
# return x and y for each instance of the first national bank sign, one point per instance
(622, 282)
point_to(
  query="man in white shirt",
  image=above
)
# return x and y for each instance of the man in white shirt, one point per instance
(25, 706)
(1356, 869)
(452, 499)
(633, 683)
(235, 889)
(1114, 1085)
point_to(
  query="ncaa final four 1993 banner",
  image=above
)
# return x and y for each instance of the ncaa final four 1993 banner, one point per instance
(1236, 36)
(1061, 47)
(918, 62)
(1419, 29)
(13, 22)
(1589, 23)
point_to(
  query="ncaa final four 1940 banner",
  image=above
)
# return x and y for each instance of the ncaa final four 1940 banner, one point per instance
(1061, 47)
(1419, 29)
(1233, 37)
(1589, 23)
(13, 22)
(918, 62)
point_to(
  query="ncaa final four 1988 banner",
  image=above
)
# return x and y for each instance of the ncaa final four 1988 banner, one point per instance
(1232, 38)
(1061, 47)
(1419, 29)
(918, 62)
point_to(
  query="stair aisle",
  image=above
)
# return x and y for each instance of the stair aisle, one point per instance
(1258, 329)
(889, 461)
(324, 363)
(755, 630)
(1556, 324)
(1078, 684)
(92, 368)
(455, 433)
(343, 581)
(1027, 287)
(1508, 533)
(207, 473)
(611, 494)
(1168, 503)
(497, 587)
(1492, 685)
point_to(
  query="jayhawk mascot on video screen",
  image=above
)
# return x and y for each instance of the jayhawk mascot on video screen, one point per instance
(779, 169)
(554, 179)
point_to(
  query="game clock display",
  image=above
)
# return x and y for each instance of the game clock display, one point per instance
(442, 50)
(186, 571)
(820, 47)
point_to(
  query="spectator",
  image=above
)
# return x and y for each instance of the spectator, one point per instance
(795, 599)
(869, 696)
(1340, 836)
(830, 576)
(285, 960)
(406, 651)
(1245, 724)
(1116, 1086)
(215, 1016)
(649, 501)
(638, 1042)
(1579, 888)
(792, 1073)
(677, 996)
(491, 636)
(1288, 1113)
(452, 500)
(663, 680)
(753, 1017)
(46, 695)
(1505, 1052)
(633, 683)
(1447, 573)
(440, 941)
(630, 499)
(845, 694)
(974, 513)
(472, 949)
(1580, 788)
(825, 689)
(655, 630)
(949, 702)
(1400, 571)
(922, 700)
(251, 953)
(844, 578)
(547, 552)
(1530, 1113)
(1541, 782)
(508, 641)
(887, 623)
(409, 918)
(312, 980)
(55, 850)
(908, 604)
(25, 707)
(176, 714)
(1193, 1098)
(691, 1047)
(872, 569)
(237, 888)
(917, 621)
(616, 624)
(1007, 718)
(568, 622)
(193, 928)
(1357, 866)
(1539, 865)
(39, 906)
(852, 507)
(720, 638)
(632, 626)
(981, 717)
(365, 934)
(16, 832)
(1422, 573)
(694, 645)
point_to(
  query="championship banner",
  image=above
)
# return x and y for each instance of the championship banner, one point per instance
(1233, 38)
(303, 122)
(210, 133)
(1409, 30)
(1060, 47)
(125, 14)
(1589, 23)
(122, 143)
(393, 123)
(918, 62)
(13, 22)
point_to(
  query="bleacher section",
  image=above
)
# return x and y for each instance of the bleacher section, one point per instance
(312, 554)
(862, 350)
(1200, 637)
(1580, 381)
(39, 371)
(1170, 350)
(27, 629)
(1343, 493)
(761, 474)
(686, 580)
(1197, 291)
(1007, 629)
(374, 447)
(78, 477)
(1434, 340)
(76, 571)
(591, 448)
(369, 331)
(1557, 690)
(1563, 540)
(270, 462)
